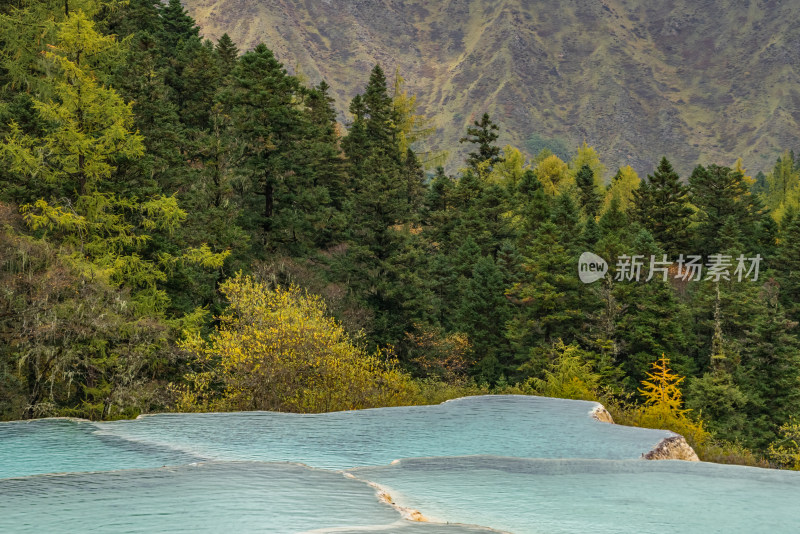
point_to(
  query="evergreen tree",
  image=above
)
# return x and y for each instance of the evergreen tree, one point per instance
(177, 26)
(382, 184)
(483, 134)
(482, 213)
(622, 189)
(720, 193)
(90, 125)
(566, 217)
(653, 320)
(227, 53)
(141, 79)
(261, 98)
(787, 266)
(782, 185)
(414, 178)
(200, 81)
(587, 194)
(379, 119)
(547, 297)
(438, 213)
(769, 373)
(532, 204)
(661, 205)
(482, 314)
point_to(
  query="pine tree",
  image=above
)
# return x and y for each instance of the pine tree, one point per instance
(383, 182)
(652, 320)
(438, 213)
(482, 314)
(532, 204)
(622, 188)
(200, 81)
(325, 167)
(178, 26)
(379, 114)
(782, 186)
(661, 390)
(483, 134)
(566, 217)
(482, 213)
(587, 155)
(142, 80)
(412, 128)
(547, 297)
(414, 178)
(661, 205)
(720, 193)
(554, 175)
(587, 194)
(261, 98)
(27, 30)
(227, 53)
(769, 373)
(131, 17)
(787, 267)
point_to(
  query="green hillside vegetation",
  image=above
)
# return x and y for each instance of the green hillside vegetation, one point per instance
(701, 80)
(187, 227)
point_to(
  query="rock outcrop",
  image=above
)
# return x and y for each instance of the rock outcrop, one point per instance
(674, 448)
(601, 414)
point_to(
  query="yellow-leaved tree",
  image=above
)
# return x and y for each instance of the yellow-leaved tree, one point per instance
(786, 450)
(89, 129)
(570, 375)
(277, 349)
(621, 189)
(587, 155)
(413, 127)
(660, 388)
(554, 175)
(663, 405)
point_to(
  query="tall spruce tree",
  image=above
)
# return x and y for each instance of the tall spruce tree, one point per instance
(587, 192)
(177, 25)
(279, 195)
(227, 53)
(787, 266)
(719, 193)
(661, 204)
(379, 205)
(482, 314)
(483, 134)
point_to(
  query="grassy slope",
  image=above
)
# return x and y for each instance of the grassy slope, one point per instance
(696, 80)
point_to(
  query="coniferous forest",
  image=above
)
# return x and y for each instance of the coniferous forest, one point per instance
(186, 226)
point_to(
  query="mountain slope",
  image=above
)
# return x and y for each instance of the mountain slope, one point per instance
(695, 80)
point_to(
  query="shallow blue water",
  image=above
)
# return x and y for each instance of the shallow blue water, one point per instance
(517, 464)
(214, 497)
(64, 445)
(502, 425)
(599, 496)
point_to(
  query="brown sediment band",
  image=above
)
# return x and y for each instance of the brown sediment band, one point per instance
(409, 514)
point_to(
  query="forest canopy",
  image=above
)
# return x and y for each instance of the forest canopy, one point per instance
(184, 225)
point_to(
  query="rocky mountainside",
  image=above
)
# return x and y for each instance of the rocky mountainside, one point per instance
(700, 81)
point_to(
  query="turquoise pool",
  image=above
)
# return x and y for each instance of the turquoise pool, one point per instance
(509, 463)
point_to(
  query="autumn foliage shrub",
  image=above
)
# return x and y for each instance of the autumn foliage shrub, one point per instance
(663, 407)
(277, 349)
